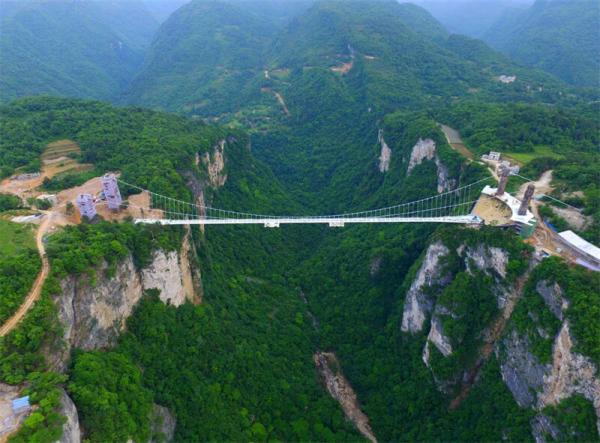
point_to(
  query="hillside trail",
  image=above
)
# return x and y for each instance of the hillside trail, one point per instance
(36, 290)
(492, 336)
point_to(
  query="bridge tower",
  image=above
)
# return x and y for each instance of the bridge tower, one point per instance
(504, 172)
(86, 206)
(526, 199)
(111, 191)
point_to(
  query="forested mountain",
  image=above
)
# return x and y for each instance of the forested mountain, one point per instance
(79, 49)
(390, 331)
(327, 77)
(558, 36)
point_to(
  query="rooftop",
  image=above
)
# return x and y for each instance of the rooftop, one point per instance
(581, 244)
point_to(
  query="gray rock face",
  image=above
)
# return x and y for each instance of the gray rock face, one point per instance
(71, 431)
(542, 426)
(426, 150)
(419, 303)
(163, 423)
(571, 373)
(493, 261)
(521, 370)
(93, 315)
(552, 295)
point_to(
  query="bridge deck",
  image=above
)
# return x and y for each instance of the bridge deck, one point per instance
(331, 221)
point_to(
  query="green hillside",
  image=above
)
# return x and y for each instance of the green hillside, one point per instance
(560, 37)
(444, 332)
(77, 49)
(202, 57)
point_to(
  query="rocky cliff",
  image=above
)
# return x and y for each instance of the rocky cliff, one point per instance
(426, 307)
(340, 389)
(537, 385)
(385, 155)
(215, 164)
(426, 150)
(93, 313)
(71, 430)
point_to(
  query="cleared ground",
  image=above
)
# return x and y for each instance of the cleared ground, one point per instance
(492, 211)
(523, 158)
(55, 160)
(455, 141)
(15, 238)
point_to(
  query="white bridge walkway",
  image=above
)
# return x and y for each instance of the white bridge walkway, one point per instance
(449, 207)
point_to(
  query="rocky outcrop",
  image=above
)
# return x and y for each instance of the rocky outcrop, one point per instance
(163, 424)
(385, 156)
(171, 273)
(215, 164)
(426, 150)
(419, 302)
(71, 431)
(537, 385)
(491, 260)
(93, 313)
(552, 295)
(571, 373)
(437, 338)
(521, 371)
(541, 426)
(339, 388)
(422, 150)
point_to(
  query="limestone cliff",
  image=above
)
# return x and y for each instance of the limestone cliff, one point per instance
(94, 313)
(425, 296)
(339, 388)
(163, 424)
(215, 164)
(426, 150)
(419, 302)
(538, 385)
(386, 154)
(71, 430)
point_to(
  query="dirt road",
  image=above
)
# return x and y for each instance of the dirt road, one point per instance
(36, 290)
(455, 142)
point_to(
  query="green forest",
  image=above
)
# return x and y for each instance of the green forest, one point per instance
(301, 99)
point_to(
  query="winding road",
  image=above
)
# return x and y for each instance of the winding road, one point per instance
(36, 289)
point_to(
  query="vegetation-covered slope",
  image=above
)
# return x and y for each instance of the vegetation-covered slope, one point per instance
(560, 37)
(202, 57)
(78, 49)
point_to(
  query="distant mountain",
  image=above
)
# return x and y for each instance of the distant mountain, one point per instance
(201, 56)
(78, 49)
(162, 9)
(562, 37)
(471, 17)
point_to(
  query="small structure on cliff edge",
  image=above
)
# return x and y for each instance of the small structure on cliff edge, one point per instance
(86, 206)
(111, 191)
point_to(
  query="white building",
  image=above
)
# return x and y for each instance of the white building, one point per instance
(111, 191)
(86, 205)
(492, 156)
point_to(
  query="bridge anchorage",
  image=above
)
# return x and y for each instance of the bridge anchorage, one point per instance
(149, 207)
